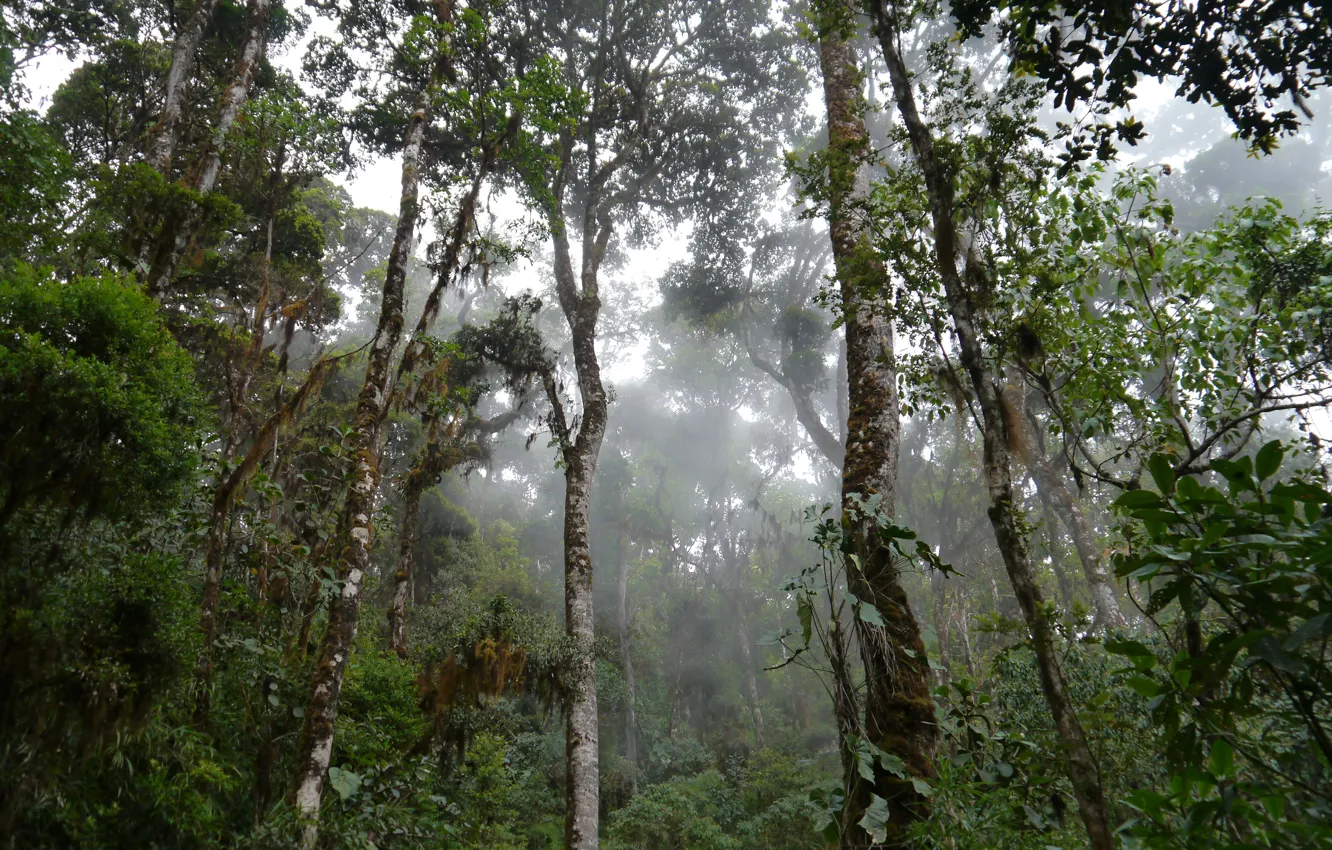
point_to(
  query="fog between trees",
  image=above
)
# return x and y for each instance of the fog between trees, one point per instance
(750, 425)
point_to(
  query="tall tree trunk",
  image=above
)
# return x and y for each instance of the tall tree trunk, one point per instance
(581, 730)
(899, 712)
(964, 630)
(581, 304)
(940, 618)
(165, 134)
(677, 677)
(627, 667)
(997, 460)
(176, 235)
(355, 532)
(751, 678)
(1105, 605)
(402, 573)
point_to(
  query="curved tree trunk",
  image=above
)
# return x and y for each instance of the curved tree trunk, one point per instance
(355, 532)
(176, 236)
(997, 463)
(828, 443)
(899, 712)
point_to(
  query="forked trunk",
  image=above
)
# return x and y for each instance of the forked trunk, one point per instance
(355, 534)
(165, 134)
(1083, 771)
(581, 305)
(176, 236)
(899, 712)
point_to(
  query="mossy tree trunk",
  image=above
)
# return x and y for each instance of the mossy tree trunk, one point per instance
(898, 708)
(997, 462)
(355, 534)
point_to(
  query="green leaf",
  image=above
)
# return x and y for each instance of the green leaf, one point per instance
(1143, 686)
(1034, 817)
(1268, 650)
(1313, 627)
(892, 764)
(865, 764)
(869, 614)
(345, 782)
(1163, 472)
(805, 612)
(1137, 499)
(1268, 460)
(1189, 488)
(1223, 758)
(922, 787)
(1132, 649)
(875, 821)
(772, 638)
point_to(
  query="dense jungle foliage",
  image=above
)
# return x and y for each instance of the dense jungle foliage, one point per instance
(747, 424)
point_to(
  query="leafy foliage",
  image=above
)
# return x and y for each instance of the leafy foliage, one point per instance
(99, 408)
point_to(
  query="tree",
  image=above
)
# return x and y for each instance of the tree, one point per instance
(898, 711)
(100, 407)
(673, 103)
(954, 236)
(201, 179)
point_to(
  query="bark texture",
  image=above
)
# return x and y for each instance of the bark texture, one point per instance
(581, 304)
(997, 460)
(165, 134)
(176, 237)
(355, 528)
(899, 712)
